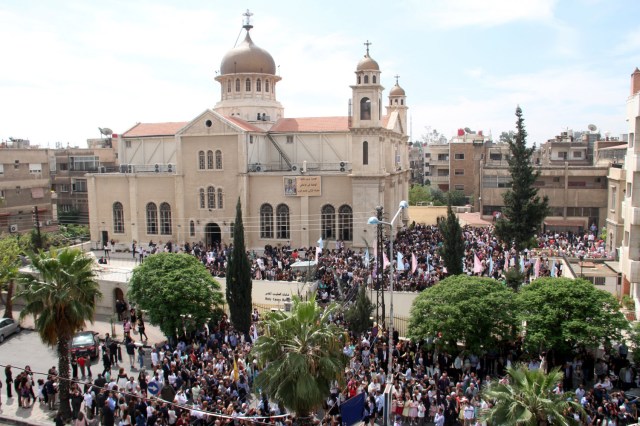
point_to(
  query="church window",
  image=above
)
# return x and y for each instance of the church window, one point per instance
(165, 219)
(229, 86)
(266, 221)
(328, 222)
(359, 80)
(202, 204)
(258, 85)
(192, 228)
(218, 160)
(365, 153)
(211, 197)
(209, 159)
(220, 199)
(373, 79)
(118, 218)
(282, 222)
(237, 84)
(201, 160)
(396, 101)
(365, 109)
(152, 219)
(401, 101)
(247, 85)
(266, 86)
(366, 79)
(345, 223)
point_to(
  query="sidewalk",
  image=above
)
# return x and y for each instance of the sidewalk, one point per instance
(38, 414)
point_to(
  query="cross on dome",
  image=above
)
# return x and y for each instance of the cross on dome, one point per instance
(247, 20)
(368, 43)
(396, 77)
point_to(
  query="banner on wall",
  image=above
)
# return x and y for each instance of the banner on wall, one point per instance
(299, 186)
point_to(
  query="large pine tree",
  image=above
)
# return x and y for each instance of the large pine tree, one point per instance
(524, 210)
(239, 278)
(453, 245)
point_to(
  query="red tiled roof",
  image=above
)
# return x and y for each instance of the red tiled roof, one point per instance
(154, 129)
(247, 127)
(311, 124)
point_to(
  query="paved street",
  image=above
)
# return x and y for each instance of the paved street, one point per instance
(26, 348)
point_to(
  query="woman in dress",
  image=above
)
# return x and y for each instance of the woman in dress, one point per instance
(406, 408)
(413, 410)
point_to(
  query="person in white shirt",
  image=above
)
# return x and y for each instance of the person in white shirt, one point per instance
(439, 418)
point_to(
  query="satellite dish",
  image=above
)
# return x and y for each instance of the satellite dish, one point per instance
(468, 130)
(592, 127)
(105, 131)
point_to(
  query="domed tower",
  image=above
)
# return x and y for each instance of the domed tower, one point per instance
(367, 94)
(248, 83)
(398, 102)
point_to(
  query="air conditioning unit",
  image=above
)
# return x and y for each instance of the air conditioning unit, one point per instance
(260, 168)
(13, 228)
(295, 167)
(124, 168)
(103, 169)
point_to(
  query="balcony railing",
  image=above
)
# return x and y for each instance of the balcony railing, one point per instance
(342, 166)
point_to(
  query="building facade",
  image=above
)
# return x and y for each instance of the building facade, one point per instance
(298, 179)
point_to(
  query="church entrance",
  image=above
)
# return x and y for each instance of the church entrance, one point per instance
(212, 234)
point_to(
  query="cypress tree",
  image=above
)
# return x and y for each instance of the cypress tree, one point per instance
(453, 245)
(524, 210)
(239, 278)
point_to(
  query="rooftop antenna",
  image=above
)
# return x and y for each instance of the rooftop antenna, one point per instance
(367, 43)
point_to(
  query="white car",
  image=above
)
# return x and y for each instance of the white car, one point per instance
(7, 328)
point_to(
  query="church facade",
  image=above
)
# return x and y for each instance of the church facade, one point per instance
(298, 179)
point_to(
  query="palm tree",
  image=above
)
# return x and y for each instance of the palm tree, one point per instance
(61, 295)
(302, 356)
(526, 398)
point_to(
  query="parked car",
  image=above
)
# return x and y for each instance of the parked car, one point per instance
(7, 328)
(86, 343)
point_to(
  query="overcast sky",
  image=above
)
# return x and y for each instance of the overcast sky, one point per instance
(71, 66)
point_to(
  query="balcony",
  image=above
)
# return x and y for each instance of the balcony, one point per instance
(301, 167)
(439, 178)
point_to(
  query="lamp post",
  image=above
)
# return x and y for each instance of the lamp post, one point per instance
(375, 221)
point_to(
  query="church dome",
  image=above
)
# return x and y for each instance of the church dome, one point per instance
(396, 90)
(247, 58)
(367, 64)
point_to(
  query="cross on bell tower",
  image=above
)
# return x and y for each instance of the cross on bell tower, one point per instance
(396, 77)
(247, 20)
(368, 43)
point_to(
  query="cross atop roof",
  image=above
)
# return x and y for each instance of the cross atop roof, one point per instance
(368, 43)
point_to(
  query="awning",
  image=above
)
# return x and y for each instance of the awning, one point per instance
(566, 223)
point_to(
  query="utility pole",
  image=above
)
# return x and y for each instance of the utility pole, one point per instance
(37, 223)
(380, 319)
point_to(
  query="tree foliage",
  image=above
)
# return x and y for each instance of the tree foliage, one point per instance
(61, 295)
(239, 282)
(358, 316)
(176, 290)
(478, 312)
(562, 314)
(9, 264)
(419, 194)
(302, 356)
(452, 250)
(527, 399)
(524, 211)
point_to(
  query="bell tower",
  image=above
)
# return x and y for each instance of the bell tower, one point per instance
(367, 93)
(398, 104)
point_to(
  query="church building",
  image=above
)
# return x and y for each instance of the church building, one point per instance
(298, 179)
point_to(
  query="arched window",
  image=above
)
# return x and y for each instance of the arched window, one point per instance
(229, 86)
(220, 199)
(266, 221)
(365, 109)
(201, 160)
(282, 222)
(328, 222)
(366, 79)
(373, 79)
(192, 228)
(152, 219)
(365, 153)
(359, 80)
(237, 84)
(218, 160)
(165, 219)
(266, 86)
(118, 218)
(345, 223)
(211, 197)
(209, 159)
(247, 85)
(258, 85)
(202, 198)
(401, 101)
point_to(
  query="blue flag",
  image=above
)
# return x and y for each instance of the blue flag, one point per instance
(400, 266)
(490, 265)
(553, 268)
(352, 410)
(366, 258)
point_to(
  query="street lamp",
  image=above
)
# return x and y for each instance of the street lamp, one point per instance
(375, 221)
